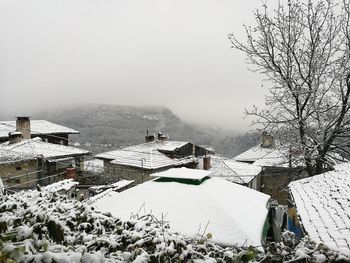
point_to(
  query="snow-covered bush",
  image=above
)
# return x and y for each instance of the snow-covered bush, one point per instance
(306, 250)
(39, 226)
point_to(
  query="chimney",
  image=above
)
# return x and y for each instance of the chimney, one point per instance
(15, 137)
(162, 137)
(23, 126)
(149, 138)
(206, 163)
(267, 140)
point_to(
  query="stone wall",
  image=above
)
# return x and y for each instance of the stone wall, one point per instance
(19, 173)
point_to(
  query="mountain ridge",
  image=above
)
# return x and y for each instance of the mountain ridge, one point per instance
(118, 126)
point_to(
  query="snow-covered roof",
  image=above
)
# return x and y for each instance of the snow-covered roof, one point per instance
(146, 148)
(168, 146)
(37, 127)
(209, 148)
(64, 185)
(117, 186)
(253, 154)
(270, 157)
(276, 158)
(8, 157)
(215, 206)
(238, 172)
(280, 157)
(183, 173)
(37, 147)
(322, 202)
(151, 160)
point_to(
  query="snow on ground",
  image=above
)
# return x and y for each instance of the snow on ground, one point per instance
(233, 214)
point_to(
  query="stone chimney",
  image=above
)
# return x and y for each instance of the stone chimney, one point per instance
(23, 126)
(162, 137)
(267, 140)
(206, 163)
(149, 138)
(15, 137)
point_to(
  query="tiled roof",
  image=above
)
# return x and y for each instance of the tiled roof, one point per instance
(152, 159)
(8, 157)
(37, 147)
(280, 158)
(156, 145)
(253, 154)
(37, 127)
(150, 152)
(238, 172)
(270, 157)
(323, 204)
(143, 148)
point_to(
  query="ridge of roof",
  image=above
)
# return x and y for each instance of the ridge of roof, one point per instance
(38, 127)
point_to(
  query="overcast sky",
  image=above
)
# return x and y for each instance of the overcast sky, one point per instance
(136, 52)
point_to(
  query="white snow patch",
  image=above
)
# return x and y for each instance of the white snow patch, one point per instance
(234, 214)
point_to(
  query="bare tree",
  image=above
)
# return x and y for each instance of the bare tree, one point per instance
(303, 48)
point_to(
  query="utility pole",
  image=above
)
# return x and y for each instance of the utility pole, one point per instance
(142, 162)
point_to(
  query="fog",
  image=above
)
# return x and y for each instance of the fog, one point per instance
(133, 52)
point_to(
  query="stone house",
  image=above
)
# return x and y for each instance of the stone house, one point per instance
(245, 174)
(18, 170)
(279, 167)
(46, 162)
(47, 131)
(139, 161)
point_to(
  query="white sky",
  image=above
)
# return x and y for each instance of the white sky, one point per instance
(138, 52)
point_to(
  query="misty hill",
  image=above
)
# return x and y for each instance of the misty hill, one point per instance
(119, 126)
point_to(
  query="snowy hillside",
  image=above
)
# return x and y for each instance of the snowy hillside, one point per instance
(118, 126)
